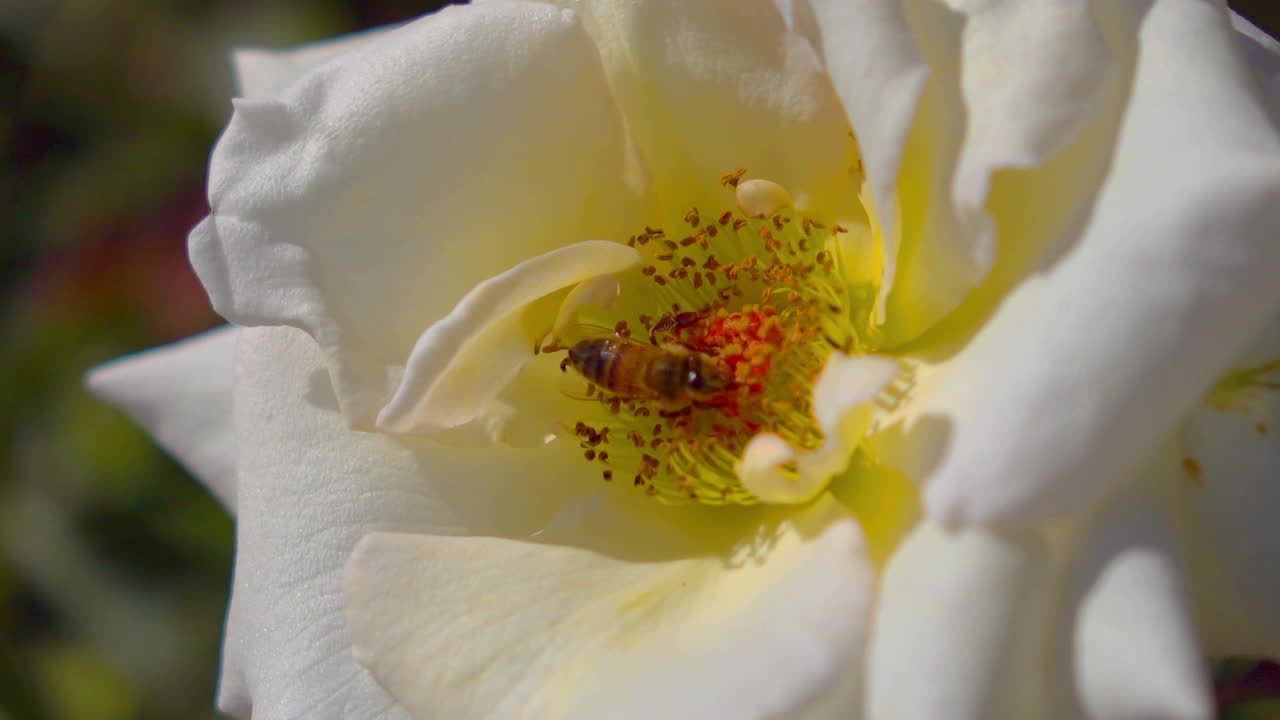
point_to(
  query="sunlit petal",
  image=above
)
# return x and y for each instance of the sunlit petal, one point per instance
(181, 395)
(669, 624)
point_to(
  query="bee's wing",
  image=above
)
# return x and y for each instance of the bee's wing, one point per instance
(575, 333)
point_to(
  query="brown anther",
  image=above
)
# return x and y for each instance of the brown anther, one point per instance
(659, 279)
(1194, 469)
(648, 270)
(809, 224)
(692, 217)
(678, 274)
(711, 230)
(589, 455)
(739, 224)
(697, 281)
(731, 179)
(837, 229)
(726, 217)
(657, 429)
(654, 232)
(608, 475)
(686, 242)
(604, 455)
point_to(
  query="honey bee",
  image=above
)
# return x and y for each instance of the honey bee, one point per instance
(669, 373)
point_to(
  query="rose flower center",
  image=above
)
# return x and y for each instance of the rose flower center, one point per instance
(719, 336)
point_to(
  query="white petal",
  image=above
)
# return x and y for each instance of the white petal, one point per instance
(1091, 362)
(460, 364)
(657, 623)
(1035, 72)
(711, 86)
(309, 489)
(960, 631)
(940, 102)
(181, 395)
(264, 73)
(881, 74)
(1262, 51)
(367, 199)
(1136, 650)
(1232, 498)
(843, 406)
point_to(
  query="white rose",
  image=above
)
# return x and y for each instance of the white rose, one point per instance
(1031, 288)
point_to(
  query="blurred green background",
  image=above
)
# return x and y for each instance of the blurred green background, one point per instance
(115, 565)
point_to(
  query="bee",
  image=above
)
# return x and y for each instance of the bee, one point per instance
(671, 374)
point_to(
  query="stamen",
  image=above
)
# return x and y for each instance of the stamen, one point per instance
(755, 296)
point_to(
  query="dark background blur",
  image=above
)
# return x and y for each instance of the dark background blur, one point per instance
(115, 565)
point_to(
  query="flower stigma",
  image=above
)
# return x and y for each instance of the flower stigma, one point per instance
(718, 337)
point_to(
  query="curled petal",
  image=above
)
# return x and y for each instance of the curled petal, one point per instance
(543, 630)
(1178, 260)
(774, 471)
(601, 291)
(181, 395)
(461, 363)
(943, 99)
(372, 193)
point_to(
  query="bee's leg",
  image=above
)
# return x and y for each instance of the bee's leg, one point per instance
(564, 365)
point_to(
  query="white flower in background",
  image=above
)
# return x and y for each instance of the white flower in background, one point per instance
(1040, 285)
